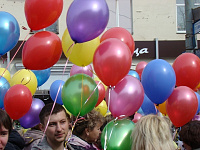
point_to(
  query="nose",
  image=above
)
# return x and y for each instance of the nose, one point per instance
(58, 128)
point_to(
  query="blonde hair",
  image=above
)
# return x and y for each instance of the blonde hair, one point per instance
(152, 132)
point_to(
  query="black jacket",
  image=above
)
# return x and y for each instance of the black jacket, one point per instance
(15, 141)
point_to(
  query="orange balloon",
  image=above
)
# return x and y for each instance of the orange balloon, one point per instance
(197, 87)
(162, 108)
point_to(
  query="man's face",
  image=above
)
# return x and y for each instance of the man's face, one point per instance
(57, 129)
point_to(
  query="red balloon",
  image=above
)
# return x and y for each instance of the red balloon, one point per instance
(187, 70)
(42, 13)
(182, 105)
(137, 117)
(121, 34)
(17, 101)
(112, 61)
(41, 51)
(140, 67)
(102, 93)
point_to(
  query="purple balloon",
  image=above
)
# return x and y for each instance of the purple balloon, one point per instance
(196, 117)
(127, 97)
(31, 118)
(85, 70)
(87, 19)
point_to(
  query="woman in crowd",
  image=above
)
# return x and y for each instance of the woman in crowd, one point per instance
(152, 132)
(190, 135)
(5, 128)
(87, 131)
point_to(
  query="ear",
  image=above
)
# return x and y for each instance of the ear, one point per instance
(87, 131)
(42, 127)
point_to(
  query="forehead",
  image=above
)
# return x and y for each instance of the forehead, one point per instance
(2, 128)
(56, 117)
(98, 124)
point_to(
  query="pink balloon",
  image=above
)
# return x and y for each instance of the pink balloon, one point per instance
(126, 98)
(85, 70)
(137, 117)
(140, 67)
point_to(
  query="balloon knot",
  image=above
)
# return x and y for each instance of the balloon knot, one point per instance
(23, 27)
(3, 59)
(111, 87)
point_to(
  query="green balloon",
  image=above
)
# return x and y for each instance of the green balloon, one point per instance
(75, 92)
(116, 135)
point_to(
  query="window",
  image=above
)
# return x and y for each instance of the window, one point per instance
(53, 28)
(180, 14)
(125, 14)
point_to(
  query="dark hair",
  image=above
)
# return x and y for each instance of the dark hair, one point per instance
(46, 110)
(89, 121)
(190, 134)
(5, 120)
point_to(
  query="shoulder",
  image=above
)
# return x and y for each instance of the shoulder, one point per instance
(42, 145)
(76, 147)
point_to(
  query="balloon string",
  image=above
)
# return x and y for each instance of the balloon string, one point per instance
(15, 54)
(3, 59)
(81, 93)
(106, 135)
(74, 126)
(92, 92)
(175, 134)
(156, 109)
(56, 95)
(71, 46)
(109, 90)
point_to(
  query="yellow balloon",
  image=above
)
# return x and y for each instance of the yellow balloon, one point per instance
(6, 74)
(162, 108)
(97, 79)
(25, 77)
(81, 54)
(102, 108)
(67, 111)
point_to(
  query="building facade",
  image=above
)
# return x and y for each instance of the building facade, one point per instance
(157, 26)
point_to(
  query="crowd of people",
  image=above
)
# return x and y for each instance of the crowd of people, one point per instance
(62, 132)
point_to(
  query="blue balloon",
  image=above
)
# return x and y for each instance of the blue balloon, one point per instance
(4, 86)
(198, 97)
(134, 73)
(42, 76)
(9, 32)
(148, 106)
(158, 79)
(54, 90)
